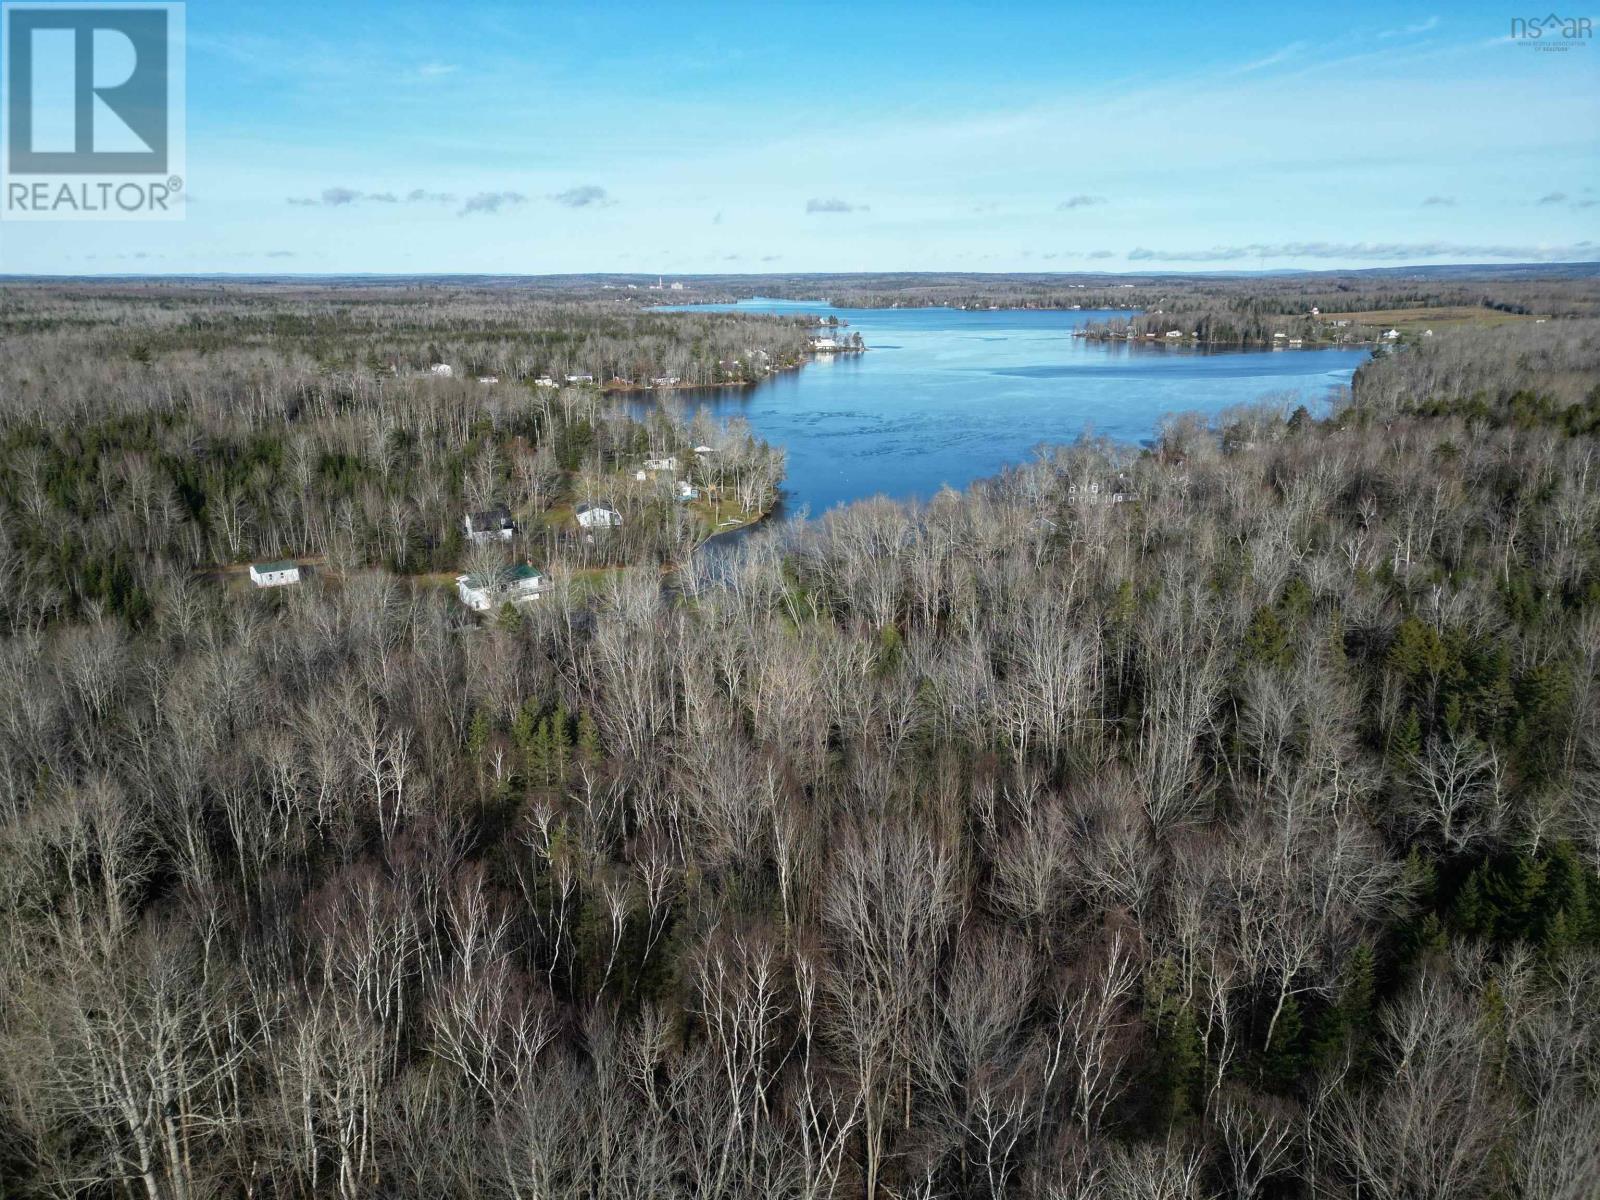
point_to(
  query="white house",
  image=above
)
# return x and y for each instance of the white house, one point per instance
(516, 586)
(442, 370)
(491, 525)
(488, 379)
(824, 345)
(580, 378)
(1174, 333)
(705, 449)
(544, 381)
(595, 516)
(1117, 491)
(687, 491)
(675, 287)
(670, 463)
(1392, 336)
(274, 574)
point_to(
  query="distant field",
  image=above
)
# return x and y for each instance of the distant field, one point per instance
(1410, 319)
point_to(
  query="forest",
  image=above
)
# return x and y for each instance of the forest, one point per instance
(1240, 841)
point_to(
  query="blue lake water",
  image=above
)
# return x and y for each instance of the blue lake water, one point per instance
(948, 395)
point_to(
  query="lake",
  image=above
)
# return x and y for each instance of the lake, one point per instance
(946, 396)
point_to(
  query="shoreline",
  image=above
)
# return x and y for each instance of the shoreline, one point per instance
(625, 388)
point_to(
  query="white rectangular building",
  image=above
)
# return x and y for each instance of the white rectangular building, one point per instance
(274, 574)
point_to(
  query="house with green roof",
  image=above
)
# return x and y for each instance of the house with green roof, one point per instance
(274, 574)
(515, 585)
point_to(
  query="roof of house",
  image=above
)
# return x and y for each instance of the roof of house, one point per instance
(587, 507)
(497, 516)
(521, 573)
(270, 567)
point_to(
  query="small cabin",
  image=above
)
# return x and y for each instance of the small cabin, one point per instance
(274, 574)
(580, 378)
(491, 525)
(596, 516)
(687, 491)
(670, 463)
(519, 585)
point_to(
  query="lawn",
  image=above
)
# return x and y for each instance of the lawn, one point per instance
(1414, 320)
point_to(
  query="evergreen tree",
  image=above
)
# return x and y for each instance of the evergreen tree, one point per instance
(588, 739)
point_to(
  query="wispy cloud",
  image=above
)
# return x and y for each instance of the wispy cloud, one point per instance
(1292, 50)
(1412, 30)
(587, 195)
(491, 202)
(833, 205)
(1102, 254)
(341, 197)
(1079, 201)
(435, 70)
(1367, 252)
(280, 253)
(1439, 202)
(334, 197)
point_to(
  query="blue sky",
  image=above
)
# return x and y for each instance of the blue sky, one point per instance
(675, 138)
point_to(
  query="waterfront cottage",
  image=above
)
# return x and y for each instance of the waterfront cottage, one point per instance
(1118, 490)
(491, 525)
(274, 574)
(519, 585)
